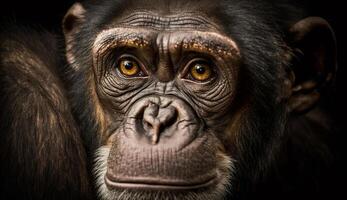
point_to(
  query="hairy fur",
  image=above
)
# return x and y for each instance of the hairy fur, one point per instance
(39, 139)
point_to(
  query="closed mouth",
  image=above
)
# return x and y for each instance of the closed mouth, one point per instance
(158, 184)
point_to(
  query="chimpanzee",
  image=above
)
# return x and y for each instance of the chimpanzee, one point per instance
(167, 99)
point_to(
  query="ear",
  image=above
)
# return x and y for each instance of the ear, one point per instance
(314, 63)
(71, 24)
(73, 19)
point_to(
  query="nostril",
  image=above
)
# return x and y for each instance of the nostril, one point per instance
(147, 125)
(170, 117)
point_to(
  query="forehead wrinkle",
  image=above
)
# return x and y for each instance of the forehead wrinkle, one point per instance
(169, 22)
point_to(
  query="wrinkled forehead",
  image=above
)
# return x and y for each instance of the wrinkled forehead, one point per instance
(167, 14)
(172, 22)
(175, 23)
(168, 7)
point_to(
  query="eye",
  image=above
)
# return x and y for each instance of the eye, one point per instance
(129, 67)
(200, 71)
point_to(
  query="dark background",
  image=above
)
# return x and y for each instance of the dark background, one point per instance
(48, 14)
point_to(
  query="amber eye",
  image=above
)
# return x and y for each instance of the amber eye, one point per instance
(200, 71)
(128, 67)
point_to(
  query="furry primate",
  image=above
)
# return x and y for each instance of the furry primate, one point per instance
(159, 99)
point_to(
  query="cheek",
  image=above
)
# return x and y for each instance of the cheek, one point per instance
(211, 102)
(98, 110)
(234, 129)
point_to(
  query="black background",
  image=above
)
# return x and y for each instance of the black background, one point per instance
(48, 14)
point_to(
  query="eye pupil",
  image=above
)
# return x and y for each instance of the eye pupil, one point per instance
(200, 69)
(128, 65)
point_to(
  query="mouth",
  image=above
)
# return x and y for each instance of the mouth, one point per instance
(203, 186)
(159, 184)
(156, 168)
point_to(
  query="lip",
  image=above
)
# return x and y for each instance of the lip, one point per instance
(158, 184)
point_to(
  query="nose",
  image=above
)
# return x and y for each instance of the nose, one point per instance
(165, 122)
(157, 119)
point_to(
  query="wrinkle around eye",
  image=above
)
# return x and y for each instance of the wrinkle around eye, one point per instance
(117, 84)
(215, 94)
(113, 89)
(206, 103)
(121, 97)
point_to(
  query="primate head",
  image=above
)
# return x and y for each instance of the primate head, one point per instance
(190, 99)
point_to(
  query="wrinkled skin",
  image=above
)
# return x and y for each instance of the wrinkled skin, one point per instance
(166, 114)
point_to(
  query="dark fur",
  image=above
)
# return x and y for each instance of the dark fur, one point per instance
(41, 152)
(48, 161)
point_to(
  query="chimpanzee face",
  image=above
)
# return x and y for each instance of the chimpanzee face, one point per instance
(187, 98)
(167, 87)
